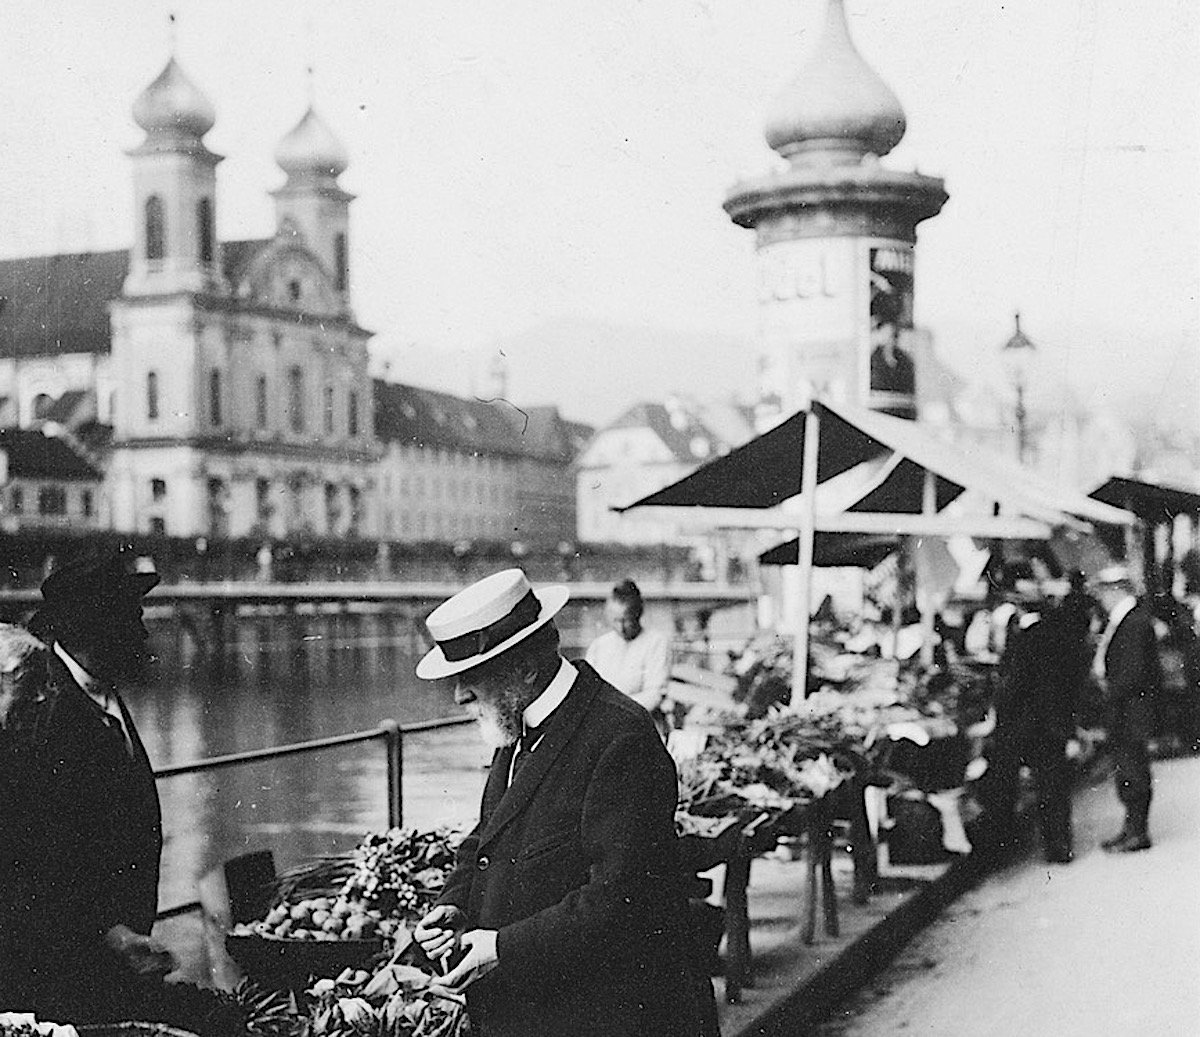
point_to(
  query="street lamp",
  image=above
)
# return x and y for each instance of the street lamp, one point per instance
(1017, 357)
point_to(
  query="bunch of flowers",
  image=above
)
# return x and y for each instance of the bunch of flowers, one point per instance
(23, 1024)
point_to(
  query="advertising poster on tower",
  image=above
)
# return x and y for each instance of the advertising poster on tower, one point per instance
(891, 376)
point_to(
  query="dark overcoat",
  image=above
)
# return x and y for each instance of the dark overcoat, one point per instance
(576, 866)
(86, 838)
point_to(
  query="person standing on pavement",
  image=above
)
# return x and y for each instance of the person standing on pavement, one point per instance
(85, 892)
(630, 657)
(1127, 663)
(565, 901)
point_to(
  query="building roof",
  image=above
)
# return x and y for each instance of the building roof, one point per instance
(428, 418)
(36, 454)
(173, 106)
(311, 148)
(693, 432)
(59, 304)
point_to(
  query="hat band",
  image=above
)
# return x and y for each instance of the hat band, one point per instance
(475, 642)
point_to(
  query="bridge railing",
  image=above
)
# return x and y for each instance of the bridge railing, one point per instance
(390, 733)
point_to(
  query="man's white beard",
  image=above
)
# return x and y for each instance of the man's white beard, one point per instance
(497, 726)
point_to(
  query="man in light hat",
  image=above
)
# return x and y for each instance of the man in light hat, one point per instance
(1128, 665)
(565, 903)
(88, 890)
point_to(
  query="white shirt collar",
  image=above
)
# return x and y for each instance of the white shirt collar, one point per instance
(81, 677)
(549, 700)
(1122, 609)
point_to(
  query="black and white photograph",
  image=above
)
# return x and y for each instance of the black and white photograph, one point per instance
(642, 519)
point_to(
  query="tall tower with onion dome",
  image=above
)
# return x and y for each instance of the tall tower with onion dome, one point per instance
(174, 190)
(835, 235)
(311, 206)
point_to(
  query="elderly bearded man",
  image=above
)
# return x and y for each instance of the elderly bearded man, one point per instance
(565, 900)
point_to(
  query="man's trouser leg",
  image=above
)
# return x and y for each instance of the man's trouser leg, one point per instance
(1132, 776)
(1053, 771)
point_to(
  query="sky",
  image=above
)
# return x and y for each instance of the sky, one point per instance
(553, 173)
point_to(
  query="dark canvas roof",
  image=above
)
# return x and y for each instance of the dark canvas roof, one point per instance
(856, 550)
(893, 454)
(34, 455)
(59, 304)
(1148, 501)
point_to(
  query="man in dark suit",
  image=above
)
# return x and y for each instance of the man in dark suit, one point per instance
(565, 903)
(84, 849)
(1127, 662)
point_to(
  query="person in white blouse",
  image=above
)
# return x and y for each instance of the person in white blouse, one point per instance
(632, 658)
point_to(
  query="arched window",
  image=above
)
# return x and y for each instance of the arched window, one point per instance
(204, 229)
(341, 262)
(151, 395)
(328, 409)
(352, 414)
(214, 397)
(41, 405)
(156, 228)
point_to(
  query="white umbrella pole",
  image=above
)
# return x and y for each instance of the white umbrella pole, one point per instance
(804, 563)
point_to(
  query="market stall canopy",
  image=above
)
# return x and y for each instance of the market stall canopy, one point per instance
(877, 474)
(831, 550)
(1148, 501)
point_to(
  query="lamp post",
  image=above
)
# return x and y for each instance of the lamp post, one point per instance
(1017, 356)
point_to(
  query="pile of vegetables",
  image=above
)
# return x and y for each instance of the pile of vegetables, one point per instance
(397, 1001)
(378, 890)
(22, 1024)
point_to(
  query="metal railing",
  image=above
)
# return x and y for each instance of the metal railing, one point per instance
(389, 732)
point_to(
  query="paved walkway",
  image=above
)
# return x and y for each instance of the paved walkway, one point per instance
(1107, 946)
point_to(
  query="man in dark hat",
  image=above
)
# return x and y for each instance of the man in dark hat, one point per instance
(566, 900)
(87, 889)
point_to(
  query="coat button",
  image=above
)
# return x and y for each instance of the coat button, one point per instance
(483, 863)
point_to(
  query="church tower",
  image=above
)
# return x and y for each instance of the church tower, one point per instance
(835, 235)
(311, 208)
(174, 190)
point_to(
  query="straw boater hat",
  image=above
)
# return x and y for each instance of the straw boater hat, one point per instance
(486, 619)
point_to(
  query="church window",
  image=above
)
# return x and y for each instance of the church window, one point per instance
(341, 265)
(158, 525)
(88, 503)
(260, 401)
(152, 396)
(293, 290)
(352, 414)
(204, 229)
(41, 405)
(52, 500)
(262, 499)
(296, 399)
(333, 511)
(214, 397)
(328, 408)
(156, 228)
(158, 489)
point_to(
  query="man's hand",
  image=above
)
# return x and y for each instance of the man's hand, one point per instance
(142, 955)
(479, 960)
(438, 932)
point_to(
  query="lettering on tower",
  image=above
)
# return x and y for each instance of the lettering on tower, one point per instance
(891, 375)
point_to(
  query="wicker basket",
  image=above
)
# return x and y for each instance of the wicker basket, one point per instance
(289, 964)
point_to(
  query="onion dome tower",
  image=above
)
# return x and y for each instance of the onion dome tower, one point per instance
(311, 206)
(174, 183)
(835, 234)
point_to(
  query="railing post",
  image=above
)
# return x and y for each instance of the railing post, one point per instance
(394, 744)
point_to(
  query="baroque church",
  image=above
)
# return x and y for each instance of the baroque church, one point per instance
(222, 386)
